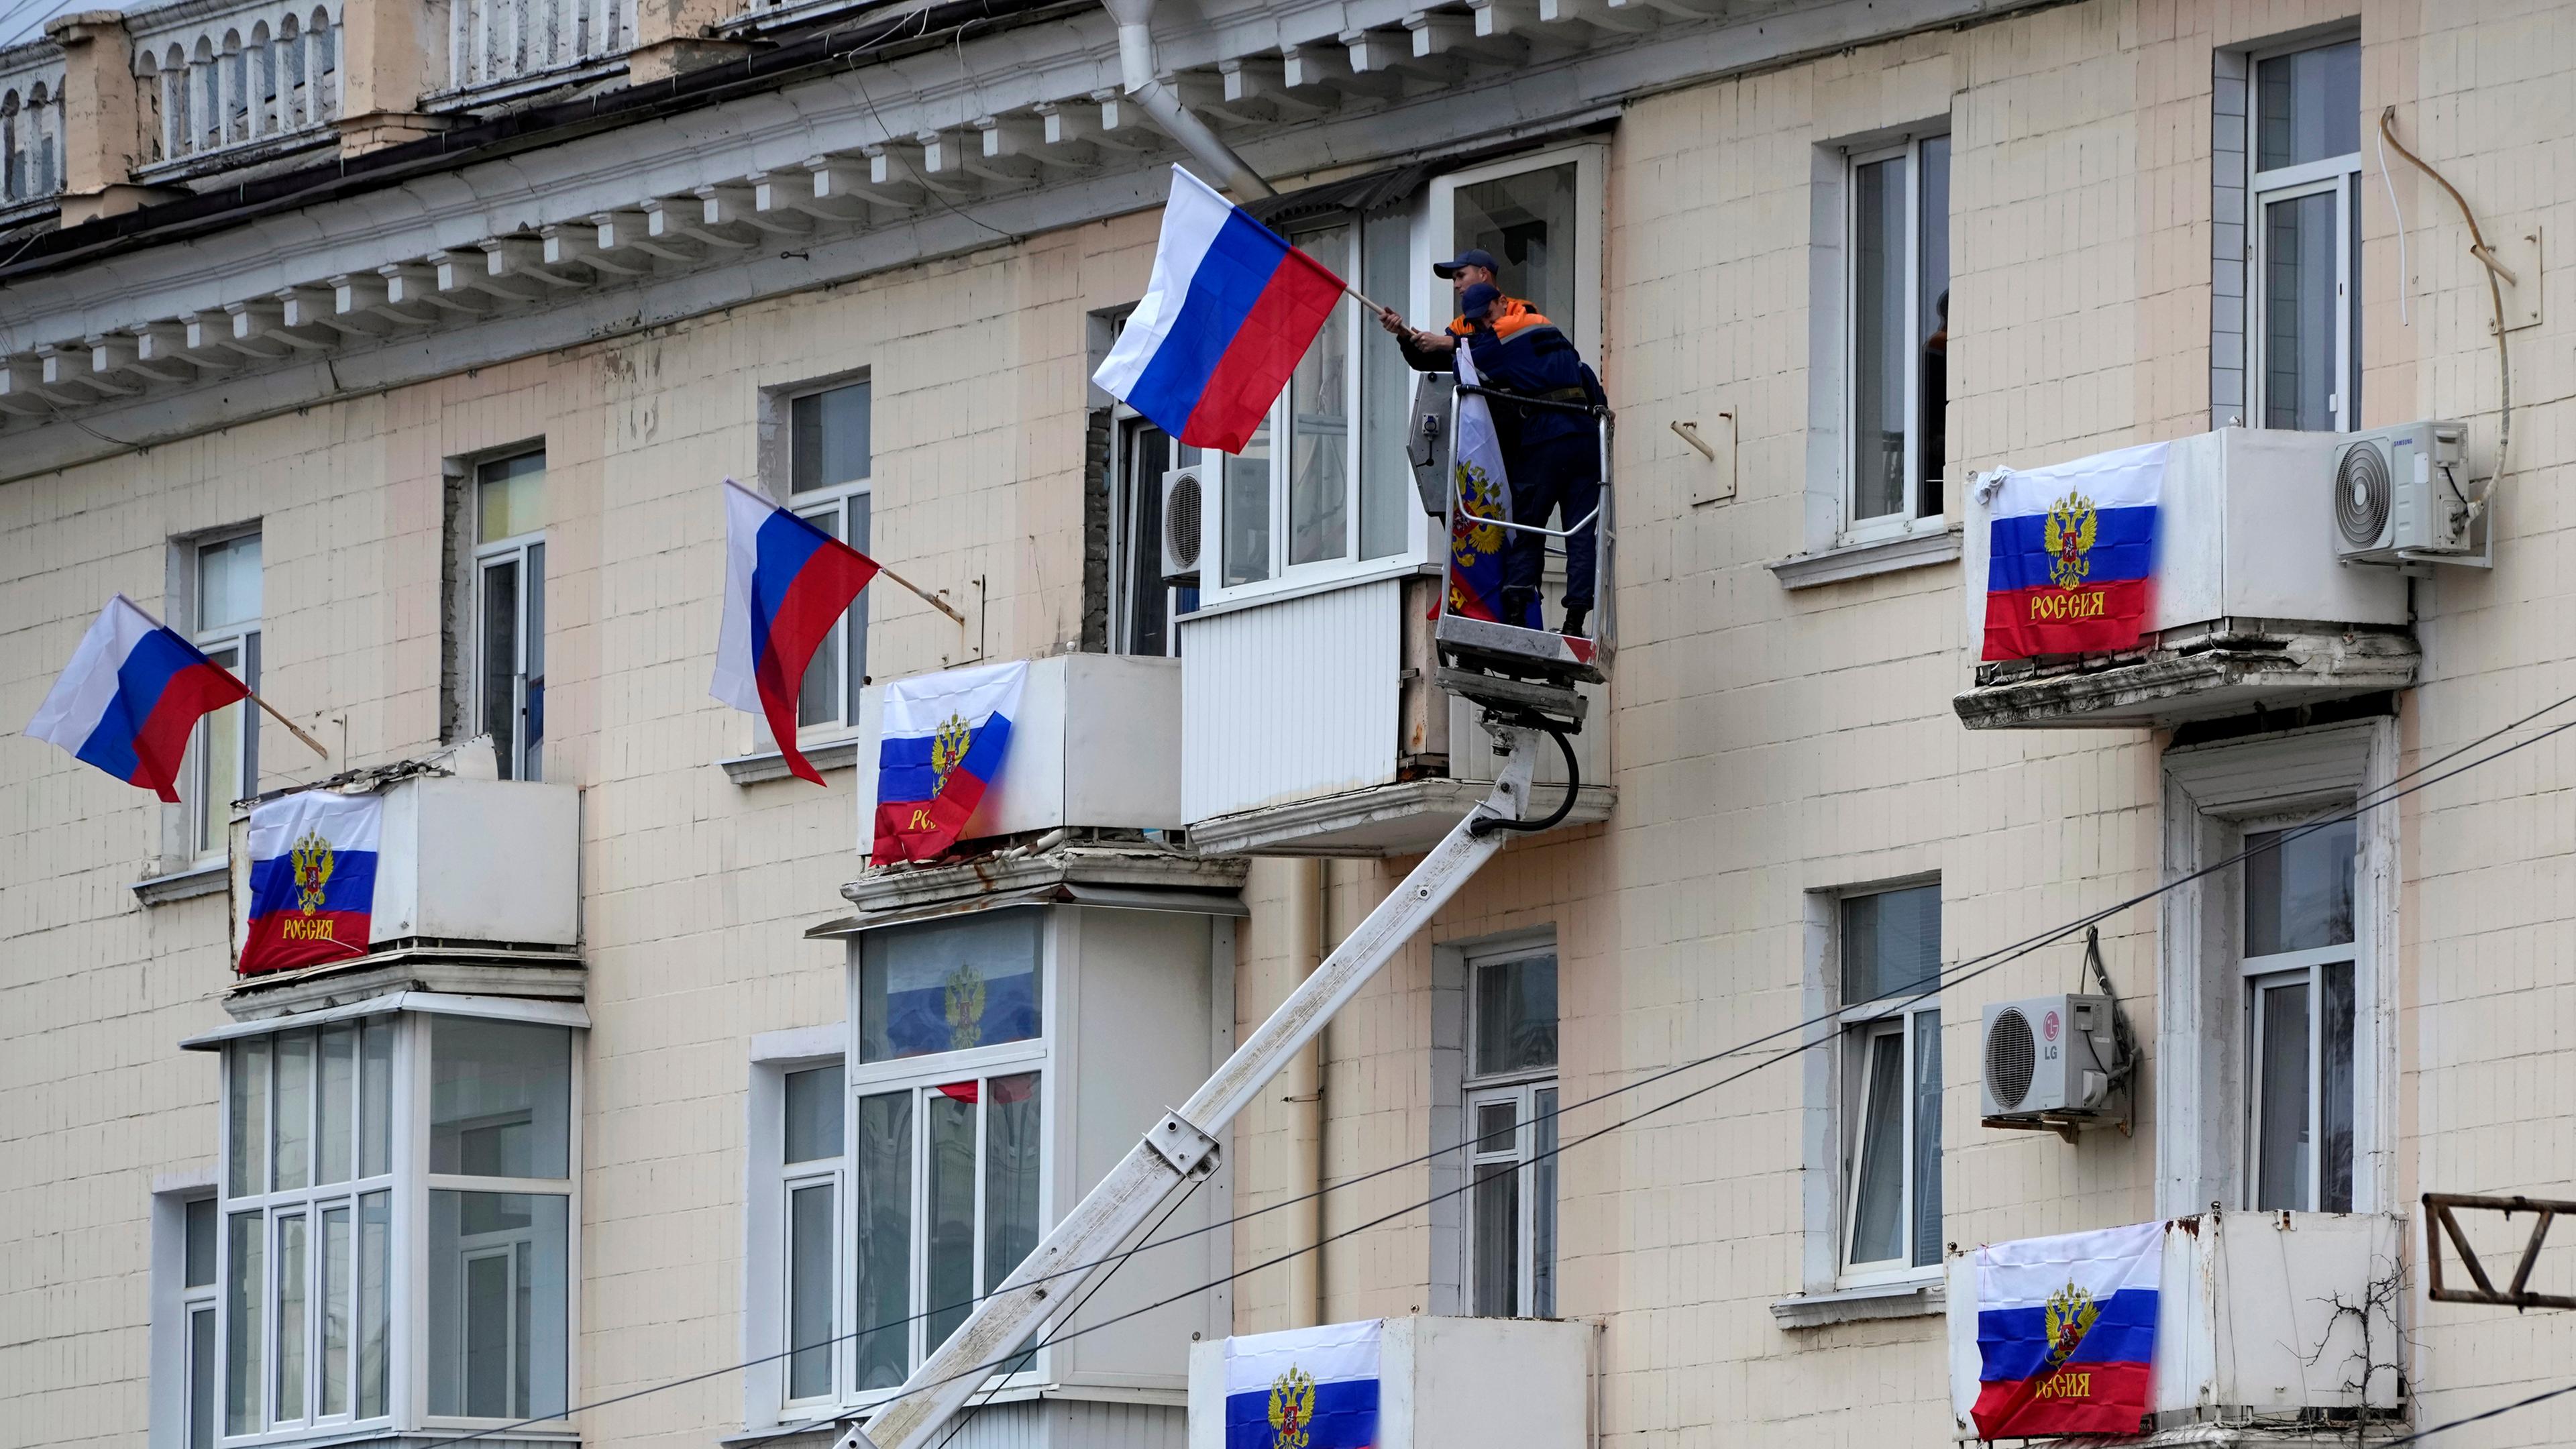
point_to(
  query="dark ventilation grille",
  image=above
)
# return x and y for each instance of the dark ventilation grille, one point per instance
(2012, 1053)
(2361, 495)
(1181, 520)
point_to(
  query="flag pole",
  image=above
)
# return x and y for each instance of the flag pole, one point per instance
(924, 595)
(316, 746)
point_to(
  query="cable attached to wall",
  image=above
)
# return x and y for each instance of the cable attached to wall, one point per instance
(2495, 270)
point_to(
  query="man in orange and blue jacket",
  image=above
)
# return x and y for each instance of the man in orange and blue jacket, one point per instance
(1552, 455)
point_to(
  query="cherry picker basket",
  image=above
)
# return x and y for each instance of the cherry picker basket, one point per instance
(1506, 667)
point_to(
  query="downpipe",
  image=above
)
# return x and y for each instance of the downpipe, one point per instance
(1136, 70)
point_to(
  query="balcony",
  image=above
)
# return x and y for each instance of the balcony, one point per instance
(31, 129)
(1096, 747)
(1311, 726)
(2252, 610)
(1450, 1383)
(2263, 1320)
(237, 82)
(477, 891)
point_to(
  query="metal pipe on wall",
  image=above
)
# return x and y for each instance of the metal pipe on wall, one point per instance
(1137, 74)
(1302, 1088)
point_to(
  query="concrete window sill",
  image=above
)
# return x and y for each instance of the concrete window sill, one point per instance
(753, 768)
(184, 885)
(1863, 560)
(1921, 1298)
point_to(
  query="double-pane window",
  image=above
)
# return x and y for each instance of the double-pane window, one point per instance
(1899, 290)
(302, 1259)
(1144, 601)
(2305, 322)
(1890, 1048)
(829, 450)
(510, 610)
(1510, 1098)
(810, 1159)
(499, 1231)
(2298, 968)
(198, 1309)
(224, 619)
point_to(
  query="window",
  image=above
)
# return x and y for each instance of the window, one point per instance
(810, 1158)
(1322, 490)
(1898, 292)
(2298, 967)
(1143, 604)
(1890, 1065)
(509, 620)
(326, 1285)
(1510, 1100)
(945, 1118)
(829, 450)
(224, 608)
(2304, 163)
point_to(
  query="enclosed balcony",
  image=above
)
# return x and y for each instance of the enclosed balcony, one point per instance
(477, 890)
(2264, 1320)
(1441, 1383)
(2253, 605)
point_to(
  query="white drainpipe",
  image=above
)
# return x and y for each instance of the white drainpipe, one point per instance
(1137, 71)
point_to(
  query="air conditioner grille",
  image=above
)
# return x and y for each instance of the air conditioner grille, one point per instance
(2012, 1055)
(1181, 520)
(2361, 495)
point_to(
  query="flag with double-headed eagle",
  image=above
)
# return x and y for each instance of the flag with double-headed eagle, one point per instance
(1483, 498)
(943, 741)
(2071, 553)
(2066, 1332)
(312, 880)
(1305, 1388)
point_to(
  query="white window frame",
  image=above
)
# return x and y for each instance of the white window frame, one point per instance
(836, 501)
(176, 1306)
(1907, 519)
(1529, 1138)
(408, 1183)
(2287, 968)
(206, 839)
(2340, 175)
(526, 762)
(1858, 1027)
(1433, 228)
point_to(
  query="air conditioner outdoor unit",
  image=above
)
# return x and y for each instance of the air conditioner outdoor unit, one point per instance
(2402, 494)
(2054, 1056)
(1183, 500)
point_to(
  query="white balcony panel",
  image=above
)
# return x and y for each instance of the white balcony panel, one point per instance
(1451, 1383)
(1097, 745)
(1288, 701)
(464, 860)
(2248, 1331)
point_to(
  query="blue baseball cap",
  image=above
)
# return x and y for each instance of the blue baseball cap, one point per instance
(1477, 300)
(1472, 257)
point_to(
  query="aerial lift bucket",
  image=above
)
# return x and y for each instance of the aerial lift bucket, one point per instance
(1506, 668)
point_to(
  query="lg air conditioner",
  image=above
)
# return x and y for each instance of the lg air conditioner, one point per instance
(1183, 502)
(2053, 1057)
(2403, 494)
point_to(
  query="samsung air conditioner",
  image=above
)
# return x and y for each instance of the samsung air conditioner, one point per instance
(2403, 494)
(1184, 501)
(2052, 1057)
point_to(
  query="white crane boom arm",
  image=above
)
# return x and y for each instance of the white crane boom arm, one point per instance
(1073, 1253)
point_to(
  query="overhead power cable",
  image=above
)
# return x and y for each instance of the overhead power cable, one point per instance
(1964, 972)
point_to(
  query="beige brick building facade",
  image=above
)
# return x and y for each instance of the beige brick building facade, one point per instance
(1780, 728)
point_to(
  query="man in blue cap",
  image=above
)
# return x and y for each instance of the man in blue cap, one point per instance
(1552, 455)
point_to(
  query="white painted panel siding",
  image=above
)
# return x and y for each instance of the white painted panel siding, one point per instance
(1471, 750)
(1072, 1424)
(1251, 681)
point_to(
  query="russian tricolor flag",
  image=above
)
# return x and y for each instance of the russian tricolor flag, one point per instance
(942, 744)
(787, 583)
(131, 694)
(312, 879)
(1317, 1387)
(2066, 1332)
(1230, 309)
(2070, 565)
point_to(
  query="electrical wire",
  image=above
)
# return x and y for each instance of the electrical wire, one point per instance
(2497, 1412)
(2485, 257)
(1952, 977)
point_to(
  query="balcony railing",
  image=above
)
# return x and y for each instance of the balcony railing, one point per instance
(31, 125)
(234, 79)
(506, 46)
